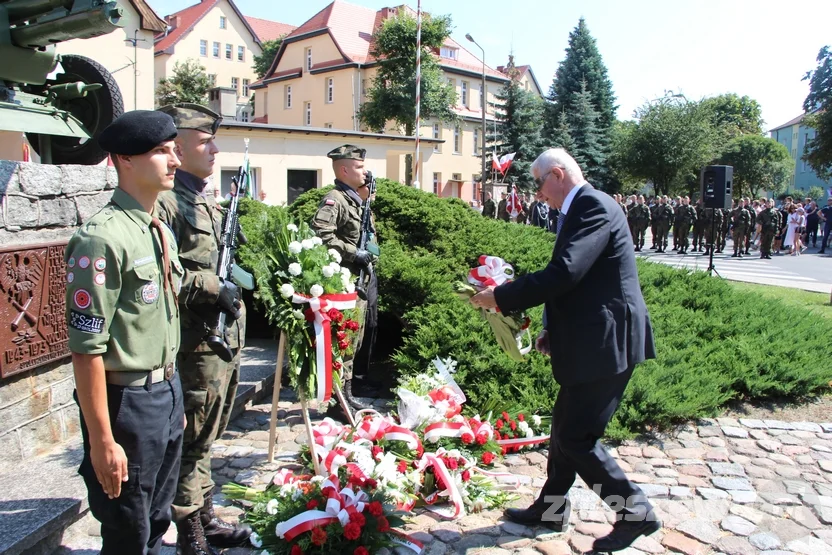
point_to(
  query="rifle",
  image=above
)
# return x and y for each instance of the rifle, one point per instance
(230, 240)
(366, 233)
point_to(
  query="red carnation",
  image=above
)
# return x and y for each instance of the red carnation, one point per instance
(341, 336)
(467, 438)
(336, 364)
(487, 457)
(318, 536)
(440, 483)
(466, 475)
(521, 417)
(311, 504)
(402, 467)
(359, 519)
(352, 531)
(505, 416)
(452, 464)
(343, 345)
(382, 524)
(375, 508)
(335, 315)
(352, 325)
(498, 424)
(377, 451)
(370, 483)
(497, 436)
(296, 550)
(513, 425)
(482, 439)
(361, 551)
(310, 316)
(505, 450)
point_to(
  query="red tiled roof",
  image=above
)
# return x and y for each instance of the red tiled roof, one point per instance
(467, 61)
(261, 119)
(269, 30)
(288, 72)
(187, 19)
(150, 21)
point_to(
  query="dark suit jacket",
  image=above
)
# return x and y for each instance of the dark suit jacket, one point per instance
(595, 313)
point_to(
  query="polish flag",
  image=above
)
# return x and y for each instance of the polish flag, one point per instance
(495, 164)
(513, 205)
(505, 162)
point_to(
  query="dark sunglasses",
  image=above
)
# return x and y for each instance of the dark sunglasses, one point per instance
(539, 181)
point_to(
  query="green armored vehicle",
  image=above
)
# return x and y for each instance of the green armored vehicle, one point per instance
(61, 102)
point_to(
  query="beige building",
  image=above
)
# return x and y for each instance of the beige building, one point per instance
(324, 70)
(218, 36)
(127, 53)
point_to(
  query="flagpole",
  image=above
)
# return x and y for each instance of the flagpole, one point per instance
(416, 158)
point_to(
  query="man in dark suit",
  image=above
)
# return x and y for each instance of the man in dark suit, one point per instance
(596, 329)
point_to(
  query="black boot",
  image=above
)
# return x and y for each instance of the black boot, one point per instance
(190, 537)
(352, 401)
(218, 532)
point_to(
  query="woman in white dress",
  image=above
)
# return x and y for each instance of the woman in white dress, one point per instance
(793, 223)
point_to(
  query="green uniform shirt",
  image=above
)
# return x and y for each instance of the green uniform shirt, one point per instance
(338, 222)
(116, 304)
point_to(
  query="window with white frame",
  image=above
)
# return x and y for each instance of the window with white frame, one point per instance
(449, 52)
(287, 96)
(330, 85)
(246, 83)
(203, 48)
(457, 140)
(228, 51)
(476, 141)
(241, 53)
(307, 118)
(308, 59)
(437, 181)
(223, 22)
(235, 84)
(216, 50)
(244, 116)
(437, 134)
(474, 193)
(212, 79)
(464, 94)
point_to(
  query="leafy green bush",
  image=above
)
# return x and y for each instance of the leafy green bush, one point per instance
(715, 343)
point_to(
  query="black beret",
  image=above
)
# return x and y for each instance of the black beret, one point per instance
(137, 132)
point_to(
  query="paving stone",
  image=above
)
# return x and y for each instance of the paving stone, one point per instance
(788, 472)
(581, 543)
(651, 452)
(665, 481)
(764, 541)
(752, 423)
(686, 462)
(737, 525)
(594, 529)
(780, 459)
(798, 487)
(709, 431)
(826, 427)
(692, 482)
(727, 421)
(808, 545)
(643, 467)
(749, 513)
(554, 547)
(480, 524)
(726, 469)
(803, 516)
(679, 492)
(732, 483)
(684, 544)
(826, 466)
(732, 545)
(731, 431)
(794, 450)
(759, 472)
(784, 528)
(773, 510)
(694, 470)
(666, 473)
(771, 486)
(692, 444)
(513, 542)
(515, 529)
(639, 478)
(758, 434)
(778, 425)
(824, 514)
(777, 498)
(825, 535)
(740, 460)
(437, 548)
(660, 462)
(685, 453)
(647, 544)
(242, 462)
(626, 451)
(821, 448)
(763, 462)
(743, 497)
(446, 533)
(247, 477)
(808, 427)
(717, 455)
(712, 493)
(700, 529)
(654, 490)
(473, 541)
(714, 441)
(789, 439)
(216, 464)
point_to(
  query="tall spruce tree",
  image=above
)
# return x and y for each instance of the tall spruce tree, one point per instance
(588, 149)
(519, 116)
(583, 63)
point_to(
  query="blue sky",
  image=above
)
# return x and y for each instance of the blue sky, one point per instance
(697, 47)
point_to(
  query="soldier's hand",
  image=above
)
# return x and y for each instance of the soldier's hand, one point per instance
(363, 258)
(110, 465)
(229, 299)
(541, 344)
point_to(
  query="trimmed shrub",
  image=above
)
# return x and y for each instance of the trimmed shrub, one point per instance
(715, 343)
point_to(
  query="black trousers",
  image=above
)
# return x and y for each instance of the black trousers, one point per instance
(827, 231)
(147, 422)
(579, 418)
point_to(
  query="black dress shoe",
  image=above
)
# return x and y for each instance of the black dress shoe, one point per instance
(624, 533)
(534, 516)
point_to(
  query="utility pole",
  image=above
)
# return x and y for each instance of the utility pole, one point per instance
(483, 100)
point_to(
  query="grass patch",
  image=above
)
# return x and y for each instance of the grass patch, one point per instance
(818, 303)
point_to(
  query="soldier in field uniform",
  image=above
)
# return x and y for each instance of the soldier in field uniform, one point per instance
(209, 383)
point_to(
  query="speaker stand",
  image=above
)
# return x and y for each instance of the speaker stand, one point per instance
(711, 268)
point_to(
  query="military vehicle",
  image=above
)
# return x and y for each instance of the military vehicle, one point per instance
(61, 102)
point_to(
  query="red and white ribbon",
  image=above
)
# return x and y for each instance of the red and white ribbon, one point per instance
(491, 271)
(503, 477)
(304, 522)
(446, 429)
(522, 441)
(406, 541)
(481, 429)
(441, 471)
(328, 432)
(320, 307)
(399, 433)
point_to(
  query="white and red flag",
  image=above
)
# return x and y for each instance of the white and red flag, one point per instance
(513, 205)
(505, 162)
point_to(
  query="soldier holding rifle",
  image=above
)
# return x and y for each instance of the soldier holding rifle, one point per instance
(209, 382)
(338, 222)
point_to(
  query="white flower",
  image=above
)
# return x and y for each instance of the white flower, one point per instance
(287, 489)
(317, 241)
(255, 540)
(454, 453)
(295, 269)
(336, 268)
(536, 420)
(316, 290)
(307, 244)
(327, 271)
(295, 247)
(315, 479)
(296, 494)
(298, 314)
(524, 426)
(345, 273)
(292, 227)
(271, 507)
(335, 255)
(350, 287)
(287, 290)
(529, 432)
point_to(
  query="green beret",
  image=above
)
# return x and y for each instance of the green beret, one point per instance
(347, 152)
(137, 132)
(187, 115)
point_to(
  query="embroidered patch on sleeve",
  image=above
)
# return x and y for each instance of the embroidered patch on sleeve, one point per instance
(71, 262)
(70, 277)
(84, 262)
(100, 264)
(99, 279)
(88, 324)
(82, 299)
(329, 202)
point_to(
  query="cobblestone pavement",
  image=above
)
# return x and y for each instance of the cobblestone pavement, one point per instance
(721, 486)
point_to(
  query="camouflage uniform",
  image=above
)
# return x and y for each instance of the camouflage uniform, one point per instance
(502, 211)
(698, 227)
(749, 233)
(641, 221)
(726, 227)
(685, 216)
(663, 217)
(653, 221)
(712, 225)
(209, 384)
(741, 220)
(769, 220)
(489, 209)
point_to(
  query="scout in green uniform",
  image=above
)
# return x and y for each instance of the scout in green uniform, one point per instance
(677, 210)
(209, 384)
(698, 226)
(502, 209)
(686, 215)
(769, 220)
(641, 220)
(338, 223)
(663, 217)
(123, 275)
(489, 208)
(741, 221)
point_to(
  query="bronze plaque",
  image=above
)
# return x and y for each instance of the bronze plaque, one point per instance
(32, 307)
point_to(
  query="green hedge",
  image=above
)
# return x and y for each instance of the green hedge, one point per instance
(715, 344)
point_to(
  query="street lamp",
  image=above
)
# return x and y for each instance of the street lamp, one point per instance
(483, 98)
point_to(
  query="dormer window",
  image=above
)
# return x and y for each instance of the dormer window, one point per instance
(449, 52)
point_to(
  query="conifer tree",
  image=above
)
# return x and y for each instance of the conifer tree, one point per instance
(588, 149)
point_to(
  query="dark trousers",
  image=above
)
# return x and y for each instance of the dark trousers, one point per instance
(147, 423)
(579, 418)
(827, 231)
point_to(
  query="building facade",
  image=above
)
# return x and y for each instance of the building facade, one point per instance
(794, 135)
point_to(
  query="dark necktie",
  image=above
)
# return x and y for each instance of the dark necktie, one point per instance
(168, 277)
(561, 217)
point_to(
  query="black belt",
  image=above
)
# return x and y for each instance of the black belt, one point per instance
(134, 379)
